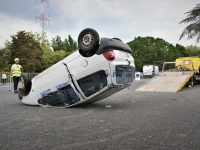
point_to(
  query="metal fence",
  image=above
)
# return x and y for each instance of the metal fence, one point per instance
(9, 77)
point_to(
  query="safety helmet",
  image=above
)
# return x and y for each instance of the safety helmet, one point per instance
(16, 59)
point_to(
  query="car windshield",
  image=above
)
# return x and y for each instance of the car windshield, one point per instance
(93, 83)
(124, 74)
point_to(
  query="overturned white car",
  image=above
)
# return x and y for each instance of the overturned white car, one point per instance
(100, 68)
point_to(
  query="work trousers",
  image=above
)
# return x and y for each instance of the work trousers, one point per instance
(15, 82)
(4, 81)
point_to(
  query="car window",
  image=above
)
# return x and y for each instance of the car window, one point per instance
(93, 83)
(69, 95)
(124, 74)
(62, 97)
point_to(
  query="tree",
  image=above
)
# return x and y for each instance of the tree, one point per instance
(34, 51)
(25, 47)
(193, 29)
(149, 50)
(70, 44)
(5, 56)
(44, 42)
(57, 43)
(193, 50)
(52, 57)
(181, 49)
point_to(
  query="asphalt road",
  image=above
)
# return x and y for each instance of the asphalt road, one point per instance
(126, 120)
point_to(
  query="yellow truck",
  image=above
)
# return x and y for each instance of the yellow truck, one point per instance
(189, 64)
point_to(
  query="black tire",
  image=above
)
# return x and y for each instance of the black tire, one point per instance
(88, 41)
(86, 54)
(24, 86)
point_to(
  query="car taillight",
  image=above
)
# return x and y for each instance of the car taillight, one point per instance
(109, 55)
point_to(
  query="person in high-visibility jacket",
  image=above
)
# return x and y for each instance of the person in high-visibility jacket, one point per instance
(16, 71)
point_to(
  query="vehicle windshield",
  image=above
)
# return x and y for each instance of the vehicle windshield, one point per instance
(124, 74)
(93, 83)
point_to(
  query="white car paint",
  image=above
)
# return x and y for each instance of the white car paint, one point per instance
(71, 69)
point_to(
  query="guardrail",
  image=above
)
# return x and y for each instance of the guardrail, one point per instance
(9, 77)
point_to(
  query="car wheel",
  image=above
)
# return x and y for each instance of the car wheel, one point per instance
(24, 86)
(85, 53)
(88, 42)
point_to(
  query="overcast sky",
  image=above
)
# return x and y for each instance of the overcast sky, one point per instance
(125, 19)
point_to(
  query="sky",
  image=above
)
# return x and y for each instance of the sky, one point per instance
(125, 19)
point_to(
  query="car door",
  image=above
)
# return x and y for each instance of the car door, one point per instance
(54, 87)
(91, 75)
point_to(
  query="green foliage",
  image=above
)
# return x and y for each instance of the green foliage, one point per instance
(44, 42)
(193, 29)
(193, 51)
(57, 43)
(149, 50)
(69, 45)
(28, 50)
(5, 56)
(52, 57)
(34, 51)
(36, 54)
